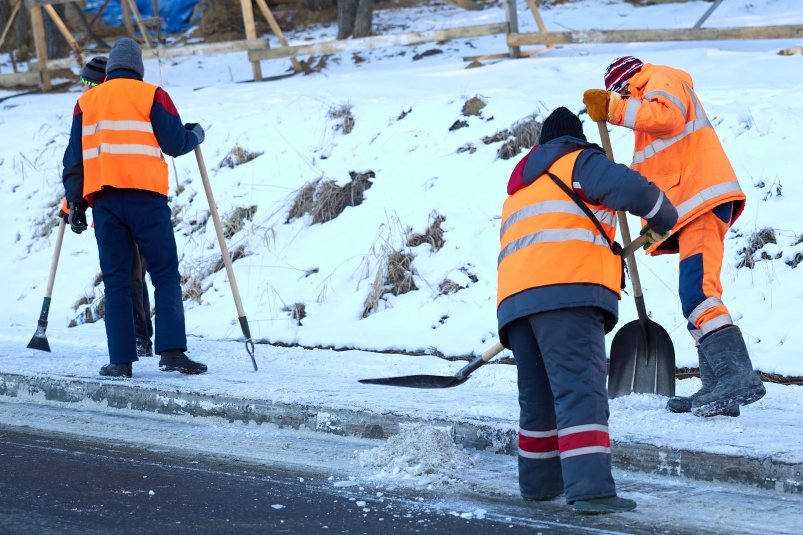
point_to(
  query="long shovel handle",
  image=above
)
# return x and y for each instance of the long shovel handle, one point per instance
(631, 259)
(224, 251)
(479, 361)
(54, 264)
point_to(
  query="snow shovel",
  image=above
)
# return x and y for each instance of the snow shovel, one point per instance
(447, 381)
(438, 381)
(224, 251)
(642, 357)
(39, 340)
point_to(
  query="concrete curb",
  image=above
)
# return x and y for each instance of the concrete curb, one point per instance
(490, 435)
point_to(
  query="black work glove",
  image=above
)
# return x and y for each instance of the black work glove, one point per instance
(196, 129)
(77, 217)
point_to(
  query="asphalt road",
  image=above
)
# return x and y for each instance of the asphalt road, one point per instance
(54, 484)
(71, 470)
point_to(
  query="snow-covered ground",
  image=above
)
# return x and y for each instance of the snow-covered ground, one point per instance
(402, 110)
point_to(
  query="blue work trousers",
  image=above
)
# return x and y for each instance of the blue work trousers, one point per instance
(125, 218)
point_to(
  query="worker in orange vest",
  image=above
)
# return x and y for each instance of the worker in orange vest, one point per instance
(677, 148)
(560, 275)
(115, 163)
(93, 74)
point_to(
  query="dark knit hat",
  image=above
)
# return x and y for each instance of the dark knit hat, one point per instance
(94, 72)
(619, 73)
(126, 54)
(561, 122)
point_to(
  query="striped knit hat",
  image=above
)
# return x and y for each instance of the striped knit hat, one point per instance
(94, 72)
(618, 73)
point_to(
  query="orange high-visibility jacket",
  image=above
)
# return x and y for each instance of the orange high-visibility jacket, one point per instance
(676, 145)
(546, 238)
(120, 149)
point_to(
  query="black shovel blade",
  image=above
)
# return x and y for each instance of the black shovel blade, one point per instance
(418, 381)
(642, 361)
(39, 340)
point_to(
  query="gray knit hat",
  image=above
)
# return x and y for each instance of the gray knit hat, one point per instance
(126, 54)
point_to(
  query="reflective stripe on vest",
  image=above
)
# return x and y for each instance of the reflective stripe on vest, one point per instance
(546, 239)
(119, 146)
(700, 121)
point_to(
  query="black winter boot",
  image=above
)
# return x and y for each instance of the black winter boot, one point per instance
(683, 404)
(601, 506)
(737, 383)
(144, 348)
(116, 370)
(177, 361)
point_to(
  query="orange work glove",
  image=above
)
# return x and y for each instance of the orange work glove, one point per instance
(600, 103)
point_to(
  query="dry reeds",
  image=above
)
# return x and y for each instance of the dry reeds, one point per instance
(345, 119)
(324, 200)
(433, 235)
(524, 133)
(238, 156)
(395, 275)
(756, 242)
(473, 106)
(235, 221)
(298, 311)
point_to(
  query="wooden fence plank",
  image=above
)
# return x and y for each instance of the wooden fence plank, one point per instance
(378, 41)
(636, 36)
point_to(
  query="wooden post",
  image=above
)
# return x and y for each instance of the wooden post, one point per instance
(263, 6)
(38, 26)
(129, 27)
(708, 12)
(513, 24)
(537, 16)
(251, 35)
(79, 54)
(11, 18)
(140, 24)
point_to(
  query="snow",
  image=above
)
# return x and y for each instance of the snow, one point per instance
(402, 112)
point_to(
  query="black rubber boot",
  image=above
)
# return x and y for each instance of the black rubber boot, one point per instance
(683, 404)
(737, 383)
(601, 506)
(116, 370)
(177, 361)
(144, 348)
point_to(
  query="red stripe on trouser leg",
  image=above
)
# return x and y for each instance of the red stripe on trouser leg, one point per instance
(582, 442)
(538, 444)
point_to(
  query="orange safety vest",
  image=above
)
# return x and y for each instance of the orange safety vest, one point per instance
(546, 238)
(120, 149)
(680, 152)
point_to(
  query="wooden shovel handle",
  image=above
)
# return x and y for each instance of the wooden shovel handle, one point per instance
(625, 230)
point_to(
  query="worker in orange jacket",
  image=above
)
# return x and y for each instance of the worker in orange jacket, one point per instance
(560, 276)
(114, 162)
(677, 148)
(93, 74)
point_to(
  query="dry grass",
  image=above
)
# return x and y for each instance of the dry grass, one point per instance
(238, 156)
(525, 134)
(297, 311)
(94, 310)
(473, 106)
(756, 242)
(448, 287)
(236, 254)
(433, 235)
(234, 221)
(395, 275)
(324, 200)
(345, 119)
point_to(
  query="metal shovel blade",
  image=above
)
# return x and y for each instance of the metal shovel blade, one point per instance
(39, 340)
(642, 361)
(418, 381)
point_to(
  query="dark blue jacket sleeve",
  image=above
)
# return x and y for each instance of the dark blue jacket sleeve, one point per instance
(173, 138)
(73, 174)
(620, 188)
